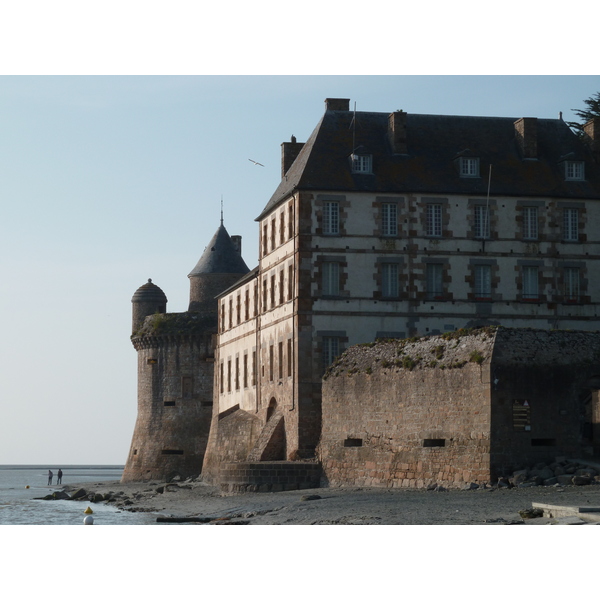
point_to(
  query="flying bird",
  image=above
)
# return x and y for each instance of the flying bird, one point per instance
(256, 163)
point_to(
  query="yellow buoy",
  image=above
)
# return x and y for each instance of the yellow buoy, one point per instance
(88, 511)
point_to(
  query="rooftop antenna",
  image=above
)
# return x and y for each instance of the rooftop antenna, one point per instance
(221, 209)
(353, 125)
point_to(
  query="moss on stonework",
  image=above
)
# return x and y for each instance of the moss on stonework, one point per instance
(175, 324)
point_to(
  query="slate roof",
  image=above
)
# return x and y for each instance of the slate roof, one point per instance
(220, 256)
(434, 143)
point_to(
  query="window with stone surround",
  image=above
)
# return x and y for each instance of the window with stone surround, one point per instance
(572, 284)
(389, 219)
(570, 225)
(290, 281)
(330, 349)
(481, 222)
(434, 281)
(530, 283)
(245, 370)
(434, 220)
(330, 278)
(389, 280)
(331, 218)
(290, 221)
(281, 285)
(280, 359)
(237, 372)
(289, 357)
(483, 282)
(530, 223)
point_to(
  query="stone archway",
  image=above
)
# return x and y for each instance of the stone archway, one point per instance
(272, 408)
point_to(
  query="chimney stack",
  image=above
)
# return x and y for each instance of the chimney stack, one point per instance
(237, 243)
(337, 104)
(591, 132)
(289, 152)
(397, 132)
(526, 133)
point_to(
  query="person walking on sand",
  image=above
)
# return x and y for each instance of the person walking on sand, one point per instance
(50, 476)
(59, 477)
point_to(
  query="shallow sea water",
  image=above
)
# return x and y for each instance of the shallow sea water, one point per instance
(18, 504)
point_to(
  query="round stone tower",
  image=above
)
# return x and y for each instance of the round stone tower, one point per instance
(175, 368)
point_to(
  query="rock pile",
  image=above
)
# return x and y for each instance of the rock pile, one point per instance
(560, 472)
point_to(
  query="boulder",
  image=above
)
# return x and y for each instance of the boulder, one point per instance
(586, 472)
(550, 481)
(531, 513)
(580, 480)
(544, 473)
(564, 479)
(80, 494)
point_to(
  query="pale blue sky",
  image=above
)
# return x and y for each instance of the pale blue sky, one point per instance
(107, 181)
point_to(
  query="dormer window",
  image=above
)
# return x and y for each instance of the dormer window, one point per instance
(574, 170)
(469, 167)
(361, 163)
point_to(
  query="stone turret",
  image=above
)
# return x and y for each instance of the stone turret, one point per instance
(220, 266)
(147, 300)
(175, 367)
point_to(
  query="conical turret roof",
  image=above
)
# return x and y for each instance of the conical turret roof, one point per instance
(220, 256)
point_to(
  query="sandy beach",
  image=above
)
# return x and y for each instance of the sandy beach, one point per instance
(341, 506)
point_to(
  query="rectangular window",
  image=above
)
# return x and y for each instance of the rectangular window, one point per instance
(247, 304)
(290, 221)
(434, 220)
(435, 290)
(570, 225)
(389, 280)
(331, 218)
(571, 284)
(483, 282)
(469, 167)
(290, 281)
(271, 363)
(265, 296)
(482, 222)
(330, 350)
(530, 283)
(238, 308)
(273, 233)
(264, 239)
(331, 278)
(221, 377)
(272, 291)
(281, 285)
(222, 316)
(362, 163)
(237, 372)
(228, 374)
(254, 368)
(389, 219)
(230, 313)
(289, 357)
(281, 227)
(255, 298)
(245, 370)
(574, 170)
(530, 223)
(280, 359)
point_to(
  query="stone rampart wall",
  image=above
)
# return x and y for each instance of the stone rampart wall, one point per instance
(408, 414)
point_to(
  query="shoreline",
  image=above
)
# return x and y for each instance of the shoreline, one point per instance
(197, 502)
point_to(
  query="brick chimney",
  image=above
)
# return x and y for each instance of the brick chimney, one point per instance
(526, 133)
(397, 132)
(591, 132)
(289, 152)
(337, 104)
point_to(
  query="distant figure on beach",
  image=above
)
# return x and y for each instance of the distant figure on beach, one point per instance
(59, 477)
(50, 476)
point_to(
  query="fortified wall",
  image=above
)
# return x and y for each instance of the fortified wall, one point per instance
(466, 406)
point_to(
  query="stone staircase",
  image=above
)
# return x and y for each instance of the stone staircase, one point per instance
(271, 442)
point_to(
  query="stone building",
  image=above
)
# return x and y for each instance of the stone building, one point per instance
(466, 406)
(175, 367)
(391, 226)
